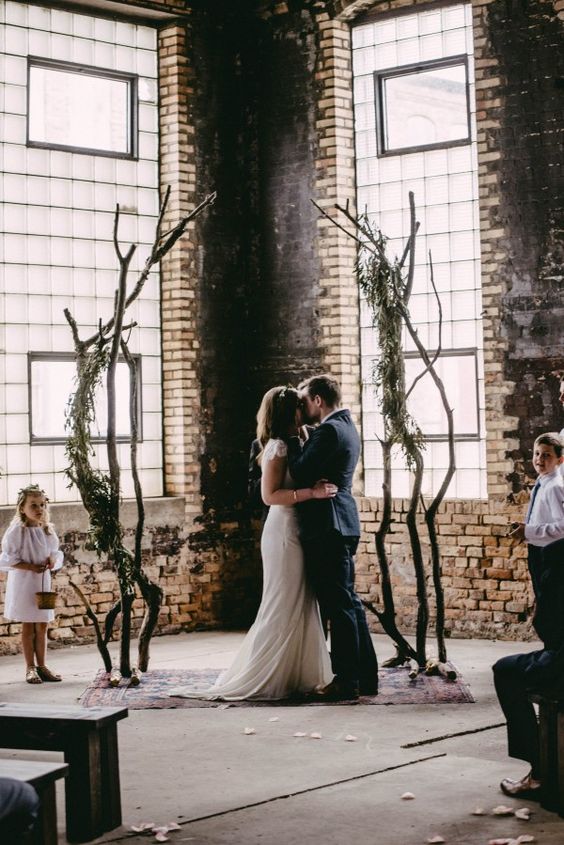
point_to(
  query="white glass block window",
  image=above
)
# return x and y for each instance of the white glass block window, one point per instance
(51, 384)
(422, 106)
(424, 141)
(83, 109)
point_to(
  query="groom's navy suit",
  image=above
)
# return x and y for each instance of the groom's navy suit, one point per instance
(329, 532)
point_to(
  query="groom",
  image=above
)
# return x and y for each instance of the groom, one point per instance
(329, 532)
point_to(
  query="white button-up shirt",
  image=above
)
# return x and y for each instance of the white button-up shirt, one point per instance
(546, 521)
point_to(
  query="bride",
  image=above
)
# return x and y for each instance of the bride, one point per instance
(284, 653)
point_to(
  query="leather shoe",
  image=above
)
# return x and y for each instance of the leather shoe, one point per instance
(334, 691)
(527, 787)
(369, 689)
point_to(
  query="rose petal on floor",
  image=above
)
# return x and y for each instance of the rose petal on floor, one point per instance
(315, 735)
(249, 731)
(350, 738)
(274, 719)
(479, 811)
(407, 796)
(142, 826)
(300, 733)
(434, 840)
(523, 813)
(526, 837)
(502, 810)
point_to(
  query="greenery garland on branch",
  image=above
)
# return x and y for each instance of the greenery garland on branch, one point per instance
(96, 359)
(386, 285)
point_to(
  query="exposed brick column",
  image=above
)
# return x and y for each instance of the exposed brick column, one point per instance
(335, 182)
(180, 344)
(493, 242)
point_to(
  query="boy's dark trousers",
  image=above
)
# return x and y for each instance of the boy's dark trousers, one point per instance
(19, 806)
(517, 675)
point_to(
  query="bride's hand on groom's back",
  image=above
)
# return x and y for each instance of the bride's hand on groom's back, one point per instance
(323, 489)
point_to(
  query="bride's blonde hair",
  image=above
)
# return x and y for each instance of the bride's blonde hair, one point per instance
(277, 411)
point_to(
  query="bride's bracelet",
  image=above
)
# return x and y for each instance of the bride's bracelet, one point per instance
(295, 492)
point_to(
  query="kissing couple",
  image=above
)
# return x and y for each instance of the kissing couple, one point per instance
(308, 541)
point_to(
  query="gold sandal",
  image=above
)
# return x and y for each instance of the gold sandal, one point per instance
(32, 676)
(45, 674)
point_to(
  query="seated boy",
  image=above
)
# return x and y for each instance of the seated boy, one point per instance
(515, 676)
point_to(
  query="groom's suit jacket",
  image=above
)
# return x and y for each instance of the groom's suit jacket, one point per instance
(331, 452)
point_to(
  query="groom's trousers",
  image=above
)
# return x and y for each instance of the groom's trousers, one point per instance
(330, 569)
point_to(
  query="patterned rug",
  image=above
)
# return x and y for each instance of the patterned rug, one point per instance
(152, 692)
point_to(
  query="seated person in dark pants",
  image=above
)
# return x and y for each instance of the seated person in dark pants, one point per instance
(515, 676)
(19, 806)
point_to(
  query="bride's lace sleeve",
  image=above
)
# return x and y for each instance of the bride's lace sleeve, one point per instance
(275, 449)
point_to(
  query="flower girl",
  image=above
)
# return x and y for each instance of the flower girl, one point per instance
(30, 550)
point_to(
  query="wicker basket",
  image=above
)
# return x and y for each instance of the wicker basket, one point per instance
(45, 599)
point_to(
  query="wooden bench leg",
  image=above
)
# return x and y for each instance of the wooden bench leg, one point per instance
(548, 749)
(111, 798)
(83, 791)
(560, 763)
(45, 830)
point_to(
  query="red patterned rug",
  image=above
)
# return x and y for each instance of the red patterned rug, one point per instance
(152, 692)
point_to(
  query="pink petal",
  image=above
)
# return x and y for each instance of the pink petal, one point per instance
(249, 731)
(274, 719)
(162, 837)
(408, 796)
(300, 733)
(526, 837)
(523, 813)
(502, 810)
(478, 812)
(173, 826)
(142, 826)
(435, 840)
(350, 738)
(315, 735)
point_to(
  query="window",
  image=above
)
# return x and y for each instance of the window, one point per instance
(51, 383)
(83, 109)
(422, 106)
(458, 370)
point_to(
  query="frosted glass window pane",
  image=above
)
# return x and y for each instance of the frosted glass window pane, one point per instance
(407, 26)
(74, 109)
(14, 128)
(465, 275)
(429, 22)
(431, 47)
(61, 192)
(439, 247)
(459, 159)
(463, 305)
(452, 17)
(146, 63)
(52, 383)
(461, 216)
(385, 31)
(372, 454)
(458, 373)
(465, 334)
(15, 218)
(463, 246)
(83, 167)
(14, 158)
(409, 51)
(437, 219)
(147, 37)
(436, 162)
(454, 42)
(363, 61)
(385, 56)
(15, 99)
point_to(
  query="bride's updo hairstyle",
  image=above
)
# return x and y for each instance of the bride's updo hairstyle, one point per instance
(276, 414)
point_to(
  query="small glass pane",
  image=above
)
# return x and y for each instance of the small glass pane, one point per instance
(52, 383)
(458, 373)
(78, 109)
(425, 107)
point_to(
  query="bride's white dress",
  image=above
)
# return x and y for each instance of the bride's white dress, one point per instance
(285, 651)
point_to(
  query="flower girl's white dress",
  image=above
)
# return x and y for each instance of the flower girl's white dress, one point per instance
(285, 650)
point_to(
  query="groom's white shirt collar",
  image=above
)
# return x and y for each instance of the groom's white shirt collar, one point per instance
(336, 411)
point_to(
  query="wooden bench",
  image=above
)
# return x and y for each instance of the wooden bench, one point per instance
(551, 747)
(88, 739)
(42, 776)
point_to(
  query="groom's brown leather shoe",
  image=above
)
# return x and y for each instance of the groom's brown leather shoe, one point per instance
(334, 691)
(527, 787)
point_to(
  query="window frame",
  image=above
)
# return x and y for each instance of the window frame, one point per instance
(470, 352)
(132, 80)
(380, 76)
(70, 356)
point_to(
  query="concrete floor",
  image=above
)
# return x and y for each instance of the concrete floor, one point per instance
(198, 768)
